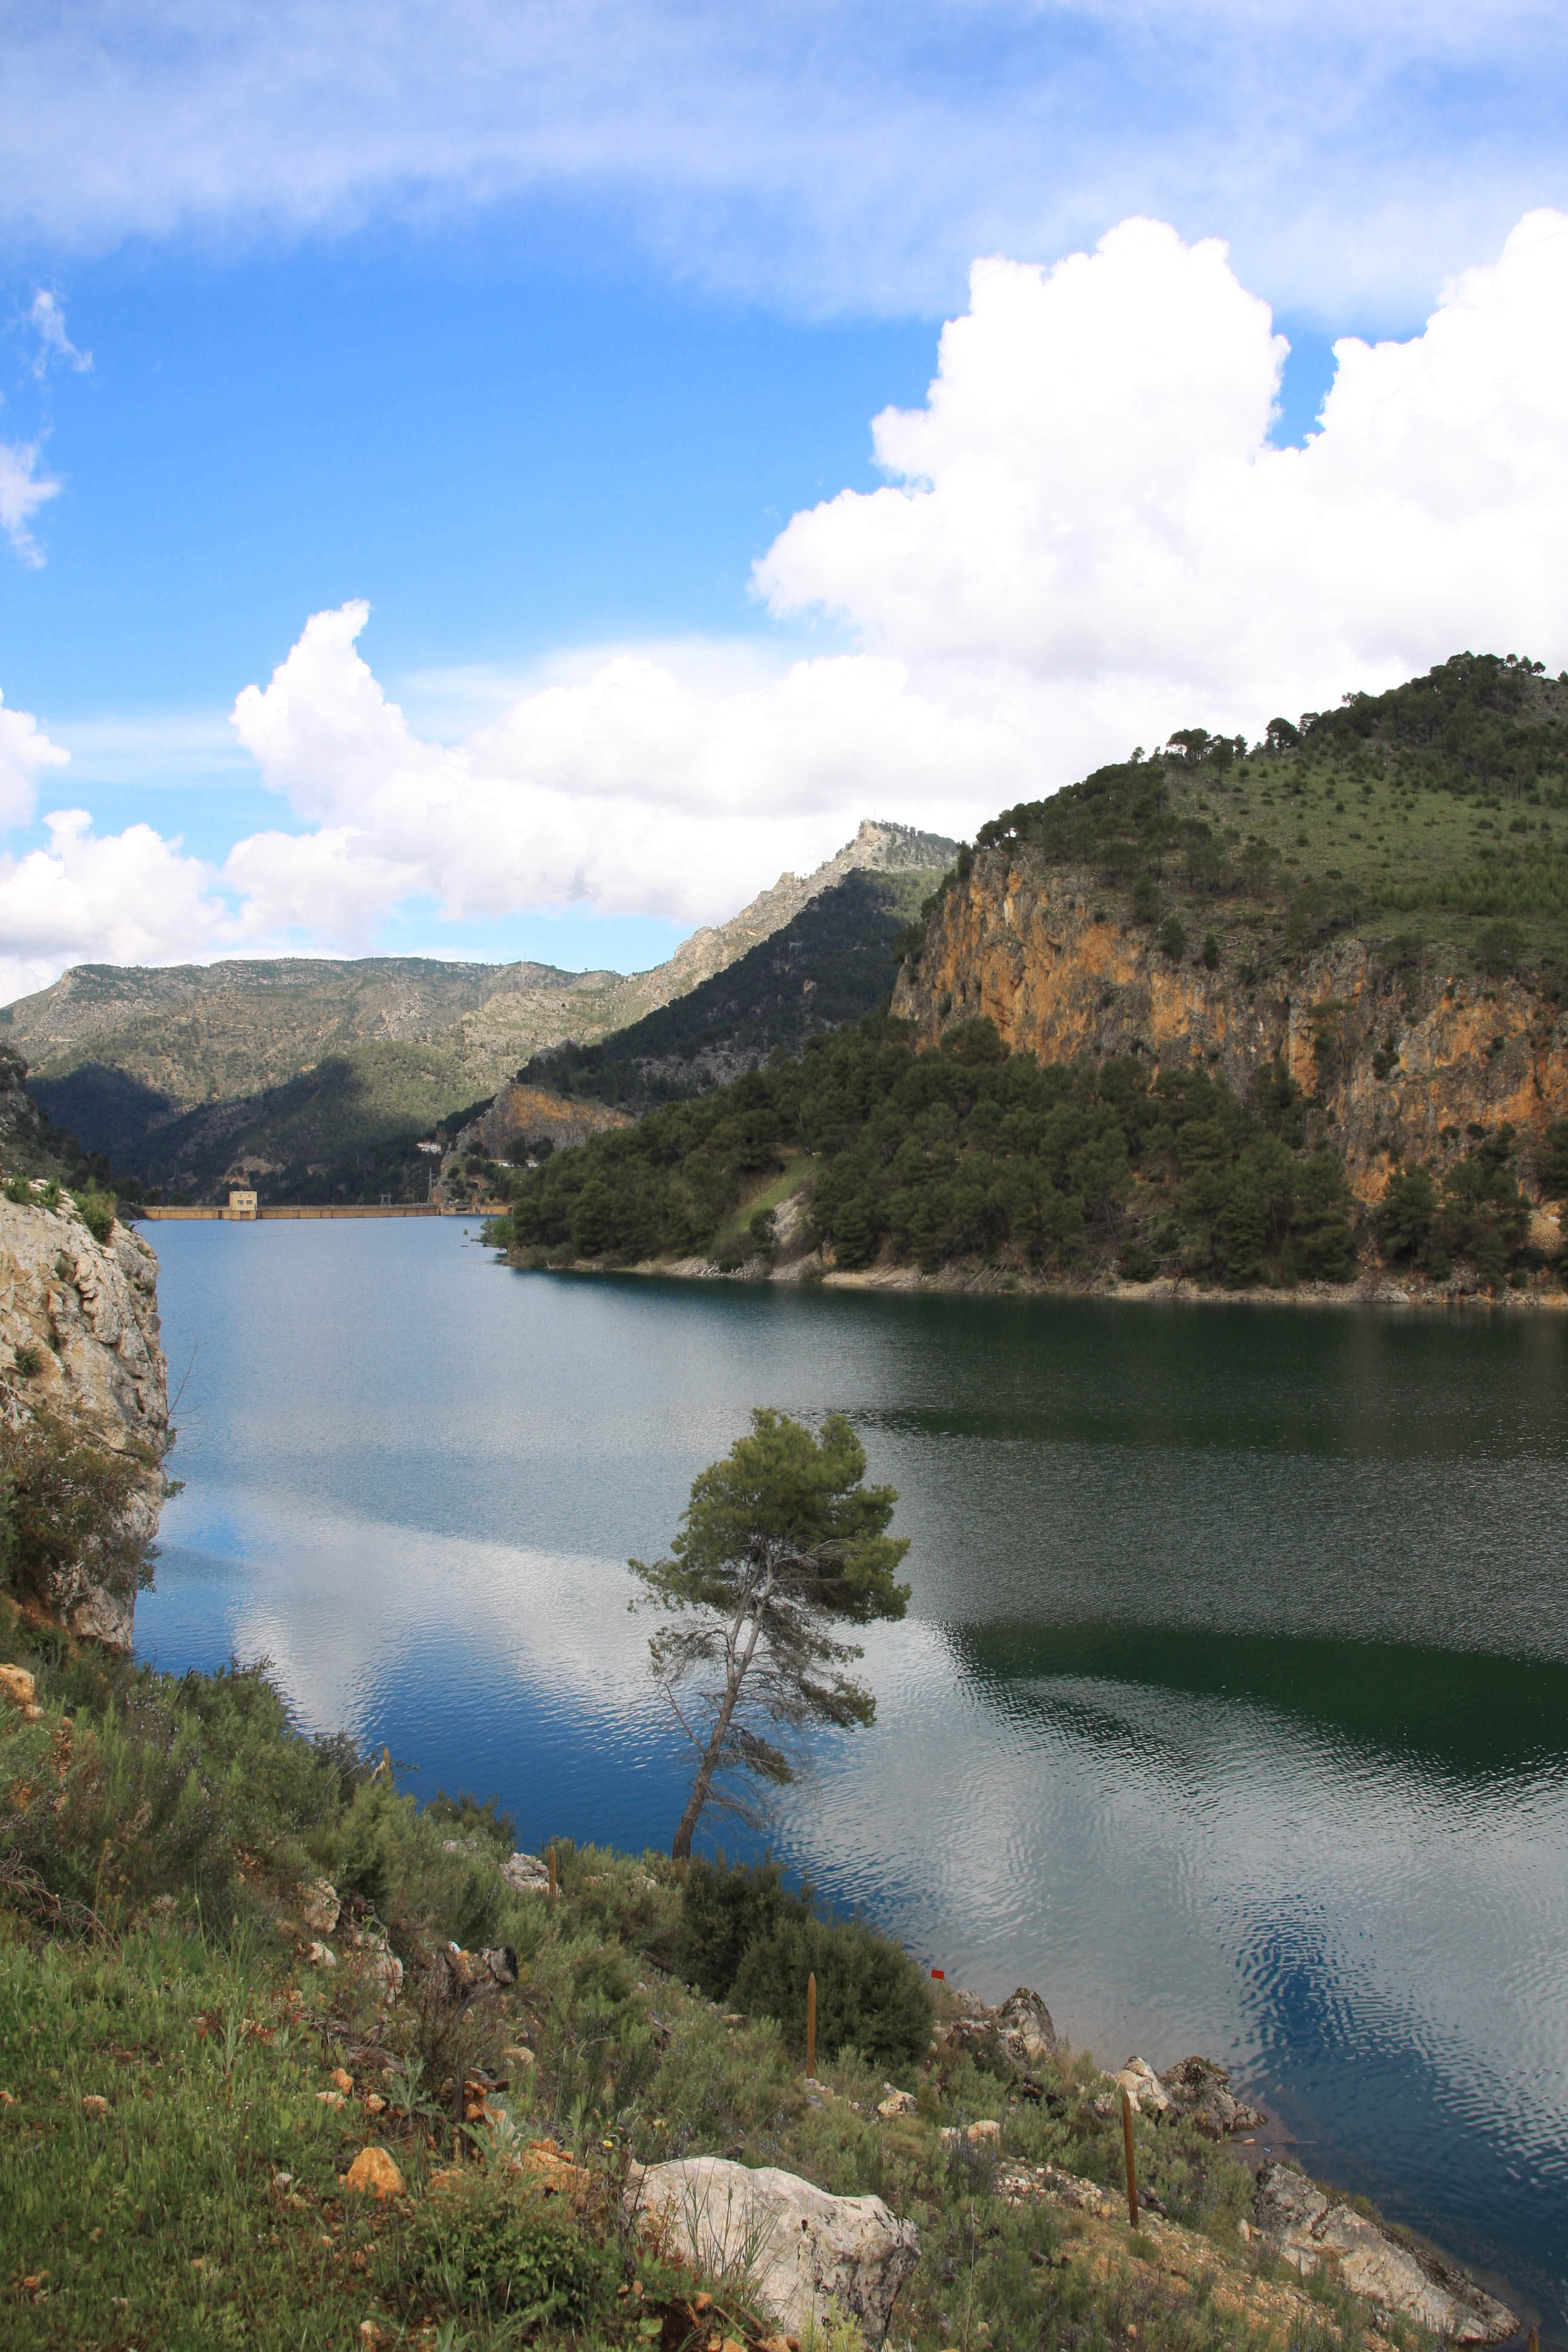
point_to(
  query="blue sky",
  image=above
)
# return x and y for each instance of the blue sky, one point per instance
(535, 328)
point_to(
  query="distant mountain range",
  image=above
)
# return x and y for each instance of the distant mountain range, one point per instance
(315, 1077)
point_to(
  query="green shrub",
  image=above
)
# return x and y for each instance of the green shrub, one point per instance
(29, 1361)
(870, 1996)
(724, 1909)
(1174, 938)
(1405, 1212)
(1552, 1161)
(63, 1499)
(1138, 1264)
(501, 2253)
(18, 1190)
(95, 1211)
(464, 1816)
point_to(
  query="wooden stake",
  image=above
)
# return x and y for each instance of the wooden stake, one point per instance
(552, 1861)
(1131, 2160)
(811, 2028)
(1535, 2339)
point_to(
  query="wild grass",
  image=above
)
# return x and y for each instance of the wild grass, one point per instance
(185, 2079)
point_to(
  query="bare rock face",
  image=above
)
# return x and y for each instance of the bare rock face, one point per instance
(82, 1317)
(1027, 946)
(807, 2251)
(1199, 2088)
(1017, 2034)
(1305, 2226)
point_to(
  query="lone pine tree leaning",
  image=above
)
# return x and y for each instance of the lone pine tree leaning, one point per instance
(781, 1540)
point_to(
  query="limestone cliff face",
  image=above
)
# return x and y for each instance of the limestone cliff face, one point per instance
(1019, 941)
(84, 1314)
(531, 1113)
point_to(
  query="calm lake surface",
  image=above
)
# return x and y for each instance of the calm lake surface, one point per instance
(1231, 1711)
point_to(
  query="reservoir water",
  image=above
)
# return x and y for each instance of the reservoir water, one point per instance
(1231, 1710)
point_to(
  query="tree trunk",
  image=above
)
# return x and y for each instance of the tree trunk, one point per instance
(680, 1848)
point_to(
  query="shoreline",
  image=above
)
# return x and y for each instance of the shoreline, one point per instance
(1368, 1289)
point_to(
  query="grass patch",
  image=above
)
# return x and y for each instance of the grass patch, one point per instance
(186, 2078)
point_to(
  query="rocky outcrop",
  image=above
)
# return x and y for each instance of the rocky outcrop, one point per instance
(523, 1116)
(1146, 2095)
(1307, 2229)
(1198, 2088)
(1016, 2036)
(809, 2256)
(1401, 1060)
(79, 1339)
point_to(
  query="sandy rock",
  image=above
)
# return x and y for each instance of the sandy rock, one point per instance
(331, 2099)
(1029, 2184)
(94, 2104)
(374, 2173)
(550, 2169)
(813, 2251)
(1143, 2087)
(16, 1685)
(321, 1956)
(459, 1975)
(319, 1906)
(526, 1874)
(1309, 2230)
(969, 2135)
(897, 2103)
(1199, 2088)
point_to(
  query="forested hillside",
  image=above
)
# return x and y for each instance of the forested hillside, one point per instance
(969, 1153)
(837, 960)
(1242, 1014)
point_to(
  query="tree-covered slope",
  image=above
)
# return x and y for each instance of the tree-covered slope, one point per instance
(969, 1153)
(837, 960)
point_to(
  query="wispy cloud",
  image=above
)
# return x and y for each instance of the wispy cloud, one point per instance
(830, 153)
(22, 490)
(47, 317)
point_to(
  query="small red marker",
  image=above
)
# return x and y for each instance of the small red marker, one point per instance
(941, 1975)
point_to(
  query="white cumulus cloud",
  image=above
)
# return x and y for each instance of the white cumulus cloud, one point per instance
(1087, 517)
(627, 785)
(125, 898)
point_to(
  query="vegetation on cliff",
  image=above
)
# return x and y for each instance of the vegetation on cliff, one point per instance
(969, 1153)
(1437, 811)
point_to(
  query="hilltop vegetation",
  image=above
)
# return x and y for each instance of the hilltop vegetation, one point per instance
(1437, 811)
(970, 1154)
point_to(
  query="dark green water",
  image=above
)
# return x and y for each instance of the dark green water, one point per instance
(1232, 1709)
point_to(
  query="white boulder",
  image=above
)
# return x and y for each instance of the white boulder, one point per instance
(803, 2251)
(1146, 2093)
